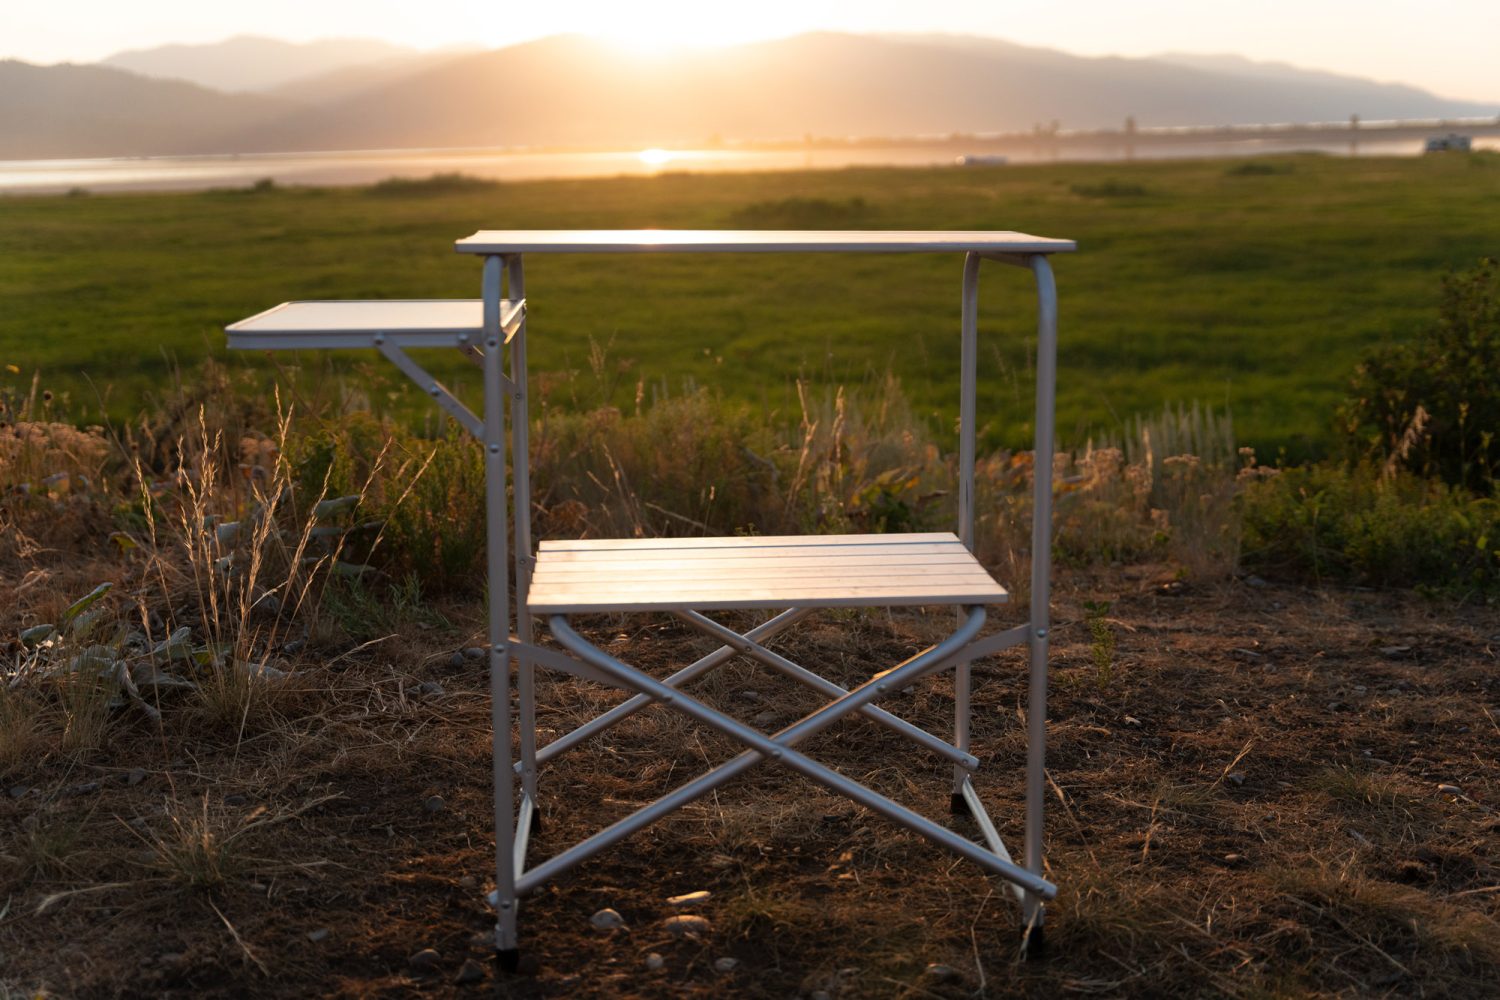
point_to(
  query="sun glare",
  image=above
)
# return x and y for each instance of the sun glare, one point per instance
(663, 39)
(654, 157)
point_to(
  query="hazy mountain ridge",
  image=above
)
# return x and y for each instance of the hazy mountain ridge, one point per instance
(570, 90)
(253, 63)
(821, 84)
(73, 111)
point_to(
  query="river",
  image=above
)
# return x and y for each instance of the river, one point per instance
(179, 173)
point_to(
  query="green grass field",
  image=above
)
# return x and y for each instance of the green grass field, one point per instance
(1236, 286)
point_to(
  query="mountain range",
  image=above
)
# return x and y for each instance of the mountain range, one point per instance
(263, 95)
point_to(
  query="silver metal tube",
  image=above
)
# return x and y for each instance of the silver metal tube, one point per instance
(967, 399)
(499, 609)
(520, 461)
(523, 833)
(779, 749)
(439, 392)
(967, 419)
(992, 644)
(987, 830)
(962, 762)
(894, 679)
(1041, 573)
(626, 709)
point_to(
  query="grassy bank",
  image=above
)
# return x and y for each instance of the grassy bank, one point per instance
(1253, 286)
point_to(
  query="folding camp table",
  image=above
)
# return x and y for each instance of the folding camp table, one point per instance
(687, 577)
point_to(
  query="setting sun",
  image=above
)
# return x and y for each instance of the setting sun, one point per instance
(661, 39)
(654, 157)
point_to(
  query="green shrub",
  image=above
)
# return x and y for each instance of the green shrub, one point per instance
(801, 213)
(1433, 405)
(1109, 189)
(423, 500)
(1326, 522)
(1257, 168)
(434, 184)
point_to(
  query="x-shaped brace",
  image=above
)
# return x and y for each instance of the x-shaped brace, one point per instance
(780, 747)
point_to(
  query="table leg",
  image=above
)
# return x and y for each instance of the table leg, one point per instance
(499, 615)
(1041, 581)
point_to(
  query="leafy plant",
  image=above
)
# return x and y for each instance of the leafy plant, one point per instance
(1432, 405)
(1101, 642)
(1357, 525)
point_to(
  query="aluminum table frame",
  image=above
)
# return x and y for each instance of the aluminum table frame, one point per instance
(497, 321)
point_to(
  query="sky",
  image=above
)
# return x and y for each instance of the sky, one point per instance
(1446, 46)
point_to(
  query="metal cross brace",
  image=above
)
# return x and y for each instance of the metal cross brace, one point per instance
(780, 748)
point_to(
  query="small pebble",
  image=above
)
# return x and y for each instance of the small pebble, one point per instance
(1234, 859)
(687, 925)
(765, 718)
(16, 791)
(321, 934)
(170, 958)
(1235, 778)
(295, 646)
(750, 696)
(434, 804)
(607, 920)
(426, 960)
(654, 962)
(236, 799)
(135, 776)
(1254, 581)
(1450, 790)
(943, 973)
(467, 882)
(472, 972)
(474, 652)
(431, 689)
(87, 788)
(726, 964)
(689, 899)
(1131, 720)
(1394, 652)
(456, 660)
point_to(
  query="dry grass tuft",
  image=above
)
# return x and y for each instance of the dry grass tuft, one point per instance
(199, 850)
(22, 731)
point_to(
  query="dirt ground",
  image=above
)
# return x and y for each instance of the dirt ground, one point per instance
(1255, 790)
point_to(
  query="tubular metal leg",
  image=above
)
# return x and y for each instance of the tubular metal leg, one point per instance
(961, 761)
(520, 457)
(622, 711)
(967, 419)
(779, 748)
(499, 613)
(1041, 577)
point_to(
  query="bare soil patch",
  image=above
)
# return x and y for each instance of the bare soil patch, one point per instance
(1260, 791)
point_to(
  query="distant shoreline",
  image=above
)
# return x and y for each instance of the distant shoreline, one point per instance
(358, 167)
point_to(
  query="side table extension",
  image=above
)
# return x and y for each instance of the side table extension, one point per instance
(687, 577)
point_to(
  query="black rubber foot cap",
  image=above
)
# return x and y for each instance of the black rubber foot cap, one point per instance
(1034, 943)
(509, 959)
(958, 805)
(536, 823)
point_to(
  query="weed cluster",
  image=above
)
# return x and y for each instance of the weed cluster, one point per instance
(434, 184)
(1432, 405)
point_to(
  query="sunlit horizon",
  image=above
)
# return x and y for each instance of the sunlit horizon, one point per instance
(1442, 47)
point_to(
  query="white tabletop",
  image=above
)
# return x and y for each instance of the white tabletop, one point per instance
(509, 241)
(398, 322)
(798, 571)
